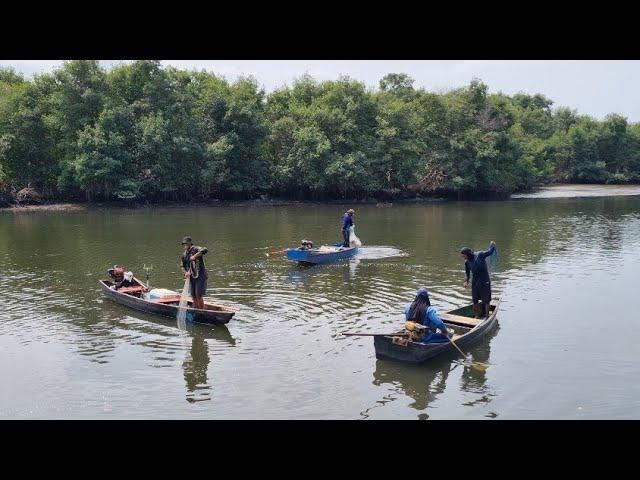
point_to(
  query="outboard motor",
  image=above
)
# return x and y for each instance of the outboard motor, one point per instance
(119, 277)
(116, 273)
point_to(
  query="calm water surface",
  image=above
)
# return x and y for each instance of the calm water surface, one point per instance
(566, 346)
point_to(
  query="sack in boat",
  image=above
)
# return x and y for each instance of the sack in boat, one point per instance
(161, 293)
(416, 330)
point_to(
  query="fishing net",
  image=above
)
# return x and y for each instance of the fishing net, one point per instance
(493, 259)
(182, 307)
(354, 241)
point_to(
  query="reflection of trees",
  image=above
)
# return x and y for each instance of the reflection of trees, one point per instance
(563, 225)
(309, 274)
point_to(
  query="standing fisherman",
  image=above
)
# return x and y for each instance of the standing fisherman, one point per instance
(347, 223)
(481, 283)
(193, 266)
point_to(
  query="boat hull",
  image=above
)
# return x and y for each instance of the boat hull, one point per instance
(214, 314)
(316, 257)
(415, 352)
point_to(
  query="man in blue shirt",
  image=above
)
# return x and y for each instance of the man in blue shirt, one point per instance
(347, 222)
(475, 262)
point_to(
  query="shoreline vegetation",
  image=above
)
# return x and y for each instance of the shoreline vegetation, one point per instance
(147, 135)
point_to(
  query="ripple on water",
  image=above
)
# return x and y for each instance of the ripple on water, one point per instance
(373, 252)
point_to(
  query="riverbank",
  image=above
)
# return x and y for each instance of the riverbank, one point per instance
(70, 207)
(53, 207)
(541, 192)
(579, 191)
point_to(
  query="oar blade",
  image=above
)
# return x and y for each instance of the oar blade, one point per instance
(480, 367)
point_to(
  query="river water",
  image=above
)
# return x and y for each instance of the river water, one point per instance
(566, 345)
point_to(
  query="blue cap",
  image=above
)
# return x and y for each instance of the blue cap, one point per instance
(423, 292)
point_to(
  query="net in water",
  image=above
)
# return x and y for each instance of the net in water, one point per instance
(182, 307)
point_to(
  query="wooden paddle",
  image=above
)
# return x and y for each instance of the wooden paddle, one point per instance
(464, 355)
(477, 365)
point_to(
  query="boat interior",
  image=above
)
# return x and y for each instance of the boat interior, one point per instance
(325, 248)
(139, 288)
(461, 320)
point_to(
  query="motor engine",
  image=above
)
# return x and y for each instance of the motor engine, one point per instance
(120, 277)
(116, 273)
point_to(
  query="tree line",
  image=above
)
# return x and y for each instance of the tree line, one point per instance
(142, 132)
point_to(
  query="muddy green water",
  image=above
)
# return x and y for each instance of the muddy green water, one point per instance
(566, 346)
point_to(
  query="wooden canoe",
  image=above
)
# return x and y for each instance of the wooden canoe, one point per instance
(168, 307)
(322, 255)
(468, 330)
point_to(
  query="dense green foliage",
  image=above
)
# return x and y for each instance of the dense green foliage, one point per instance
(143, 132)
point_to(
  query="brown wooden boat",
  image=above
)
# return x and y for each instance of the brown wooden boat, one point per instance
(168, 307)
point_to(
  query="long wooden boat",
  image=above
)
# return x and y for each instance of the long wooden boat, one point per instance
(321, 255)
(168, 307)
(468, 330)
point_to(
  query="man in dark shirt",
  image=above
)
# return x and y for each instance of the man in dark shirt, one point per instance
(481, 283)
(347, 222)
(193, 266)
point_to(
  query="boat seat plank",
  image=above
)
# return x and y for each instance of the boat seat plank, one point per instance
(460, 320)
(167, 300)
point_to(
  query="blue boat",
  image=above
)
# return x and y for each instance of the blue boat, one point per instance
(321, 255)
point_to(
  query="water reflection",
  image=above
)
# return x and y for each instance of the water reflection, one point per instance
(475, 380)
(195, 370)
(353, 269)
(197, 360)
(422, 383)
(196, 341)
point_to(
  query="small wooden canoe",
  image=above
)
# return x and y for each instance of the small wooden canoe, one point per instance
(168, 307)
(321, 255)
(468, 331)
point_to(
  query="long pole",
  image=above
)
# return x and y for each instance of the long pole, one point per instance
(354, 334)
